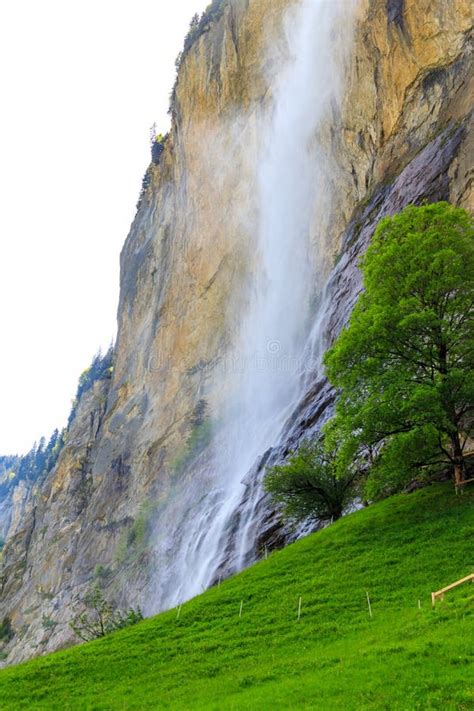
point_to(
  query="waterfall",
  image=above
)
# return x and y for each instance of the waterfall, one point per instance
(278, 347)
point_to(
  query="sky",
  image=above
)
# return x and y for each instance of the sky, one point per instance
(81, 85)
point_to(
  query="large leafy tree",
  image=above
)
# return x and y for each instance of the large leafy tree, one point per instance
(404, 365)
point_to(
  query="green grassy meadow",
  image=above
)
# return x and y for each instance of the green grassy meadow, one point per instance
(335, 657)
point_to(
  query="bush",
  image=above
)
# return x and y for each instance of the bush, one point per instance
(101, 572)
(101, 619)
(198, 438)
(47, 622)
(307, 487)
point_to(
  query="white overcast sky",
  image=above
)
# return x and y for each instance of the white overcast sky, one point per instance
(81, 83)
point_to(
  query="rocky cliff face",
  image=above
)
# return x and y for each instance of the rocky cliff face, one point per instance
(401, 135)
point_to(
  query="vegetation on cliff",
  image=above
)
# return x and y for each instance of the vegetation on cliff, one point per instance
(198, 438)
(32, 467)
(8, 469)
(207, 655)
(100, 369)
(199, 25)
(157, 147)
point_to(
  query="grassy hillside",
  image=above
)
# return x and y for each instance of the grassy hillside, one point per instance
(334, 657)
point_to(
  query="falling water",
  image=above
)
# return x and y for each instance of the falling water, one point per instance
(277, 330)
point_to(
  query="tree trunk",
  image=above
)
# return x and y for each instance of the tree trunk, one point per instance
(456, 449)
(458, 473)
(458, 459)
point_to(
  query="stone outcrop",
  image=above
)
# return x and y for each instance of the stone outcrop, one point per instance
(404, 136)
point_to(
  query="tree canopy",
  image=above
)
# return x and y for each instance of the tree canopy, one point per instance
(404, 365)
(32, 466)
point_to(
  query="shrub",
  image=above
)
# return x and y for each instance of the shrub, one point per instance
(101, 572)
(47, 622)
(307, 487)
(198, 438)
(101, 619)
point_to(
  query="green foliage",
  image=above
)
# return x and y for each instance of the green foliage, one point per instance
(31, 467)
(158, 142)
(34, 466)
(307, 487)
(199, 25)
(101, 619)
(138, 533)
(146, 180)
(198, 438)
(133, 541)
(122, 550)
(6, 630)
(102, 573)
(8, 471)
(47, 622)
(335, 657)
(101, 368)
(404, 366)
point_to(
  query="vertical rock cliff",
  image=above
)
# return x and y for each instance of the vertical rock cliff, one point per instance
(150, 465)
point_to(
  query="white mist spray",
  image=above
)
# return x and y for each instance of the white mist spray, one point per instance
(292, 174)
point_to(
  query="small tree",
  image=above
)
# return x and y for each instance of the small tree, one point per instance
(101, 619)
(307, 486)
(404, 366)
